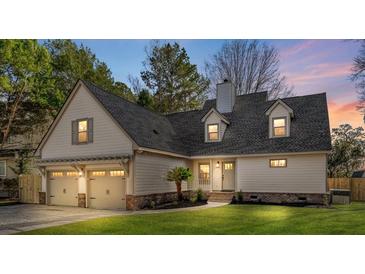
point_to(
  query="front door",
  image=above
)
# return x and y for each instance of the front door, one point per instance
(228, 175)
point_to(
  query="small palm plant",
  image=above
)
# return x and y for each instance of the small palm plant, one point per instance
(178, 175)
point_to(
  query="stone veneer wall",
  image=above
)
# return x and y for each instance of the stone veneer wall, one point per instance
(82, 200)
(286, 198)
(137, 202)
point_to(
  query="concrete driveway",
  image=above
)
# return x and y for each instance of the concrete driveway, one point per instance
(23, 217)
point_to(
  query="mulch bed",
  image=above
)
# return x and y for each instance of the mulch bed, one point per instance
(181, 204)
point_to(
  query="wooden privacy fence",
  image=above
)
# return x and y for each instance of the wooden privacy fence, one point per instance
(29, 188)
(356, 185)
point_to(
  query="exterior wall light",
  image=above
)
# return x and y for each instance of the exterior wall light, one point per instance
(217, 164)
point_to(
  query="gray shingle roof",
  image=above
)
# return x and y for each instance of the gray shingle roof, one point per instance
(248, 132)
(148, 129)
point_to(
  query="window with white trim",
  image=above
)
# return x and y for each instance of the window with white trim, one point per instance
(2, 168)
(278, 163)
(213, 132)
(204, 174)
(279, 127)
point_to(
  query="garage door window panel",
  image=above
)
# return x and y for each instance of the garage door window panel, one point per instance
(98, 173)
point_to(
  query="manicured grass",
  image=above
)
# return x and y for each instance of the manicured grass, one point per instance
(230, 219)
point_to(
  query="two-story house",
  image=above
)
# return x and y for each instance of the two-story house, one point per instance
(105, 152)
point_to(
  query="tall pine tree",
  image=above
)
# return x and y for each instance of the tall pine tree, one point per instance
(175, 83)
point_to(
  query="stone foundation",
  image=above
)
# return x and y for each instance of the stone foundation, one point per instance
(82, 200)
(42, 198)
(137, 202)
(286, 198)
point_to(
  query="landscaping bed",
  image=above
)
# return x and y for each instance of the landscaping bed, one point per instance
(181, 204)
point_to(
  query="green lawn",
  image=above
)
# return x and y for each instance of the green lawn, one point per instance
(230, 219)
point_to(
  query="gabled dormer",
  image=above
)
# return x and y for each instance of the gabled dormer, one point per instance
(215, 125)
(280, 116)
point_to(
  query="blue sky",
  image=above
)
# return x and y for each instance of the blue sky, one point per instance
(311, 66)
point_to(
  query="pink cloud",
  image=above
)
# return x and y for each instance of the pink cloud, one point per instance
(344, 114)
(285, 53)
(320, 71)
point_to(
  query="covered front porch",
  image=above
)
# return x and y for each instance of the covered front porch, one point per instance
(214, 174)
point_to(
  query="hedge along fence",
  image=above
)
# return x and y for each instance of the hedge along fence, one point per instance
(356, 185)
(9, 188)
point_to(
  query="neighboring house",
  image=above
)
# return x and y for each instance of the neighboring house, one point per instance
(10, 151)
(105, 152)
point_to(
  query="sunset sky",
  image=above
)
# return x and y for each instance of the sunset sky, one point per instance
(311, 66)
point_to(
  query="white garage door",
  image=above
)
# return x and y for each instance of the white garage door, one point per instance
(107, 189)
(63, 188)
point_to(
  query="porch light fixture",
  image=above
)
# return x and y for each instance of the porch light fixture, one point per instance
(80, 173)
(217, 164)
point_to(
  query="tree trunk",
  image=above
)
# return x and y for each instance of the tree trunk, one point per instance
(179, 193)
(11, 119)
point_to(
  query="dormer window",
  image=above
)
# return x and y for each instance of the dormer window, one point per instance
(215, 125)
(280, 118)
(279, 127)
(213, 134)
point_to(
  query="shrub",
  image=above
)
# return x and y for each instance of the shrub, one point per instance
(240, 196)
(152, 204)
(200, 195)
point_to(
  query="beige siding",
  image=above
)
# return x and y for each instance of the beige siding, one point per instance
(108, 137)
(303, 174)
(279, 111)
(150, 173)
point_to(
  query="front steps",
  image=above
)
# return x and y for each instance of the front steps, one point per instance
(221, 197)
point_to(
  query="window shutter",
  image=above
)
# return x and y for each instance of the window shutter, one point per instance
(90, 130)
(74, 132)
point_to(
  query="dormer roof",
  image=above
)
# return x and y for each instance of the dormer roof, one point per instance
(279, 102)
(214, 110)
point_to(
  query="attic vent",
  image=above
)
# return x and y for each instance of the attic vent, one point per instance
(155, 131)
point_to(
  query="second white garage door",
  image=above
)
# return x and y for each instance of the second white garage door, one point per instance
(107, 189)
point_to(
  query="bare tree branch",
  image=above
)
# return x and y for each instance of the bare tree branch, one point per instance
(251, 66)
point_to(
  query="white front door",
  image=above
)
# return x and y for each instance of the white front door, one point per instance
(228, 175)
